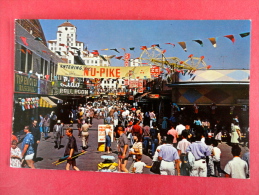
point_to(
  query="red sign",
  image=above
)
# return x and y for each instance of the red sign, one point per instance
(133, 83)
(126, 58)
(140, 86)
(131, 97)
(154, 96)
(126, 82)
(155, 71)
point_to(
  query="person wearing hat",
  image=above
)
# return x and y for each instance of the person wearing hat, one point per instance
(58, 132)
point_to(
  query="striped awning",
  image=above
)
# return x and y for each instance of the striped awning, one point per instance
(47, 103)
(58, 99)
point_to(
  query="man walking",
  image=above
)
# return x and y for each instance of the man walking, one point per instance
(70, 150)
(85, 134)
(169, 158)
(199, 150)
(36, 135)
(27, 147)
(58, 132)
(123, 149)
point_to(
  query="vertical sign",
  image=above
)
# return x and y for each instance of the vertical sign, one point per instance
(140, 86)
(154, 71)
(126, 59)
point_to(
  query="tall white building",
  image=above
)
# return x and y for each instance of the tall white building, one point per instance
(71, 50)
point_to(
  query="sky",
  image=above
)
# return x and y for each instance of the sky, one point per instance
(102, 34)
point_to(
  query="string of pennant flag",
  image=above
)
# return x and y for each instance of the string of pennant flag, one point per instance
(183, 45)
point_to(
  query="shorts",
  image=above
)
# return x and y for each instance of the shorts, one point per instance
(29, 156)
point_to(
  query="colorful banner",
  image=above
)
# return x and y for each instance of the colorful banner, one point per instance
(85, 71)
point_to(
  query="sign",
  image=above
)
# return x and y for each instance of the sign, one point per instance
(133, 83)
(63, 91)
(131, 97)
(155, 71)
(26, 84)
(85, 71)
(153, 96)
(140, 86)
(126, 82)
(121, 93)
(126, 58)
(102, 134)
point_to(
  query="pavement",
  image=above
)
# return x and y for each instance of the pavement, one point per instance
(89, 161)
(47, 154)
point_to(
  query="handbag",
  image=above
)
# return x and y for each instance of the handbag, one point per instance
(156, 167)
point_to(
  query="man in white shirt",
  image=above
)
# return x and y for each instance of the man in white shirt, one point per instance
(236, 168)
(179, 128)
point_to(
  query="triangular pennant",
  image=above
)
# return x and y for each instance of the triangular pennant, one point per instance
(74, 48)
(47, 77)
(59, 53)
(112, 56)
(132, 48)
(231, 37)
(115, 50)
(119, 57)
(244, 34)
(24, 40)
(28, 51)
(44, 51)
(199, 41)
(213, 41)
(71, 52)
(123, 49)
(103, 58)
(104, 49)
(22, 50)
(143, 47)
(183, 45)
(61, 44)
(171, 44)
(38, 39)
(157, 45)
(95, 53)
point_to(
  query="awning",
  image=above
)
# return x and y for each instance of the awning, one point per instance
(144, 94)
(55, 98)
(47, 103)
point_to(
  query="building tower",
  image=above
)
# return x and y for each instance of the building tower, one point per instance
(71, 50)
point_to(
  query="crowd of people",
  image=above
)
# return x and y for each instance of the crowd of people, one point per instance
(174, 147)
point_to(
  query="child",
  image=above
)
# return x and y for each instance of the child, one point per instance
(16, 155)
(139, 165)
(216, 157)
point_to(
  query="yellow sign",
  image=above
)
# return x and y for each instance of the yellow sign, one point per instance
(73, 70)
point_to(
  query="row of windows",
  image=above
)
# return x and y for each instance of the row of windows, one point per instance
(67, 35)
(29, 64)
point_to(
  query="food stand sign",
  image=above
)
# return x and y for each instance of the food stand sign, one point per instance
(101, 133)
